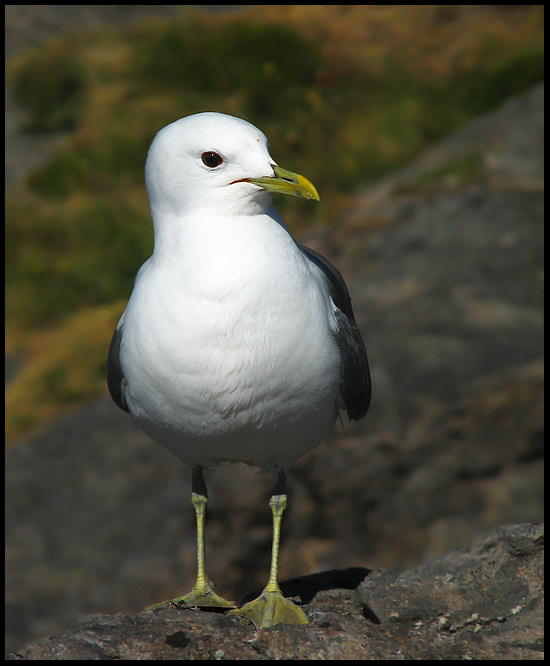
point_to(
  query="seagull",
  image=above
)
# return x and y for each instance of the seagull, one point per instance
(237, 343)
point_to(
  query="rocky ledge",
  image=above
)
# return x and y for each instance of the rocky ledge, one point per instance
(481, 602)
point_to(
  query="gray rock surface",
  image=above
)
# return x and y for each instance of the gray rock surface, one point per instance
(485, 602)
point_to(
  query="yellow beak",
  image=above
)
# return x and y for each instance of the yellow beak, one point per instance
(286, 182)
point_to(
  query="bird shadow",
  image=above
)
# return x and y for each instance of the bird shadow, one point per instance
(305, 588)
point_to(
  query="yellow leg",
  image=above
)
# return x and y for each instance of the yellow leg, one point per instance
(202, 594)
(271, 608)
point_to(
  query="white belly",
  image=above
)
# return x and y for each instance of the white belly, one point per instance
(240, 369)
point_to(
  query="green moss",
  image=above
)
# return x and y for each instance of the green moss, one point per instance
(60, 260)
(51, 85)
(486, 88)
(269, 64)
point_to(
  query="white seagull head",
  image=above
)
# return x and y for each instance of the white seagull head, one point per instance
(212, 160)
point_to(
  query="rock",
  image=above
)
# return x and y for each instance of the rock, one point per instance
(446, 279)
(484, 602)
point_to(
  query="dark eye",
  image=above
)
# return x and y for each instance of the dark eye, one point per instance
(211, 159)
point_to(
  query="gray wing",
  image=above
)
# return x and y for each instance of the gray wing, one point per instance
(355, 385)
(115, 377)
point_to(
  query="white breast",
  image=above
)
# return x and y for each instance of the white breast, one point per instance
(232, 352)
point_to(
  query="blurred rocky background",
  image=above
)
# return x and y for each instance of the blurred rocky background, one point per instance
(422, 127)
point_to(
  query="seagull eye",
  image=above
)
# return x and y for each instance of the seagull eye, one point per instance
(211, 159)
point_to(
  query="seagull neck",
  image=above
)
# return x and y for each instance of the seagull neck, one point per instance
(206, 231)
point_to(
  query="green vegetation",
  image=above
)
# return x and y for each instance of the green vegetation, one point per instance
(51, 88)
(335, 109)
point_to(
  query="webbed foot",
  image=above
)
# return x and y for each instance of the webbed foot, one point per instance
(201, 596)
(271, 608)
